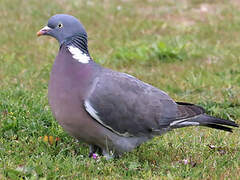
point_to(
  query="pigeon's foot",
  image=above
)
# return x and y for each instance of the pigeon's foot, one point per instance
(94, 149)
(109, 155)
(95, 152)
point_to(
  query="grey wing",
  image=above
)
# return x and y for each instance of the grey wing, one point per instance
(128, 106)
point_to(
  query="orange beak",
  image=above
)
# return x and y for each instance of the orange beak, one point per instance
(43, 31)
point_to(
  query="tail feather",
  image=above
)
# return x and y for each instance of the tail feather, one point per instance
(192, 115)
(207, 121)
(216, 126)
(214, 122)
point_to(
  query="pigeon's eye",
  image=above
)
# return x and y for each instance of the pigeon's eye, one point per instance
(60, 25)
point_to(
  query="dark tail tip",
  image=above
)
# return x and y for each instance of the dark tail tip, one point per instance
(216, 123)
(219, 127)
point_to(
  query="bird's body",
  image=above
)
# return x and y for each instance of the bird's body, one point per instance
(111, 111)
(70, 87)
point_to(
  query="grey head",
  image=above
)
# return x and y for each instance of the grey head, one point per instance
(62, 27)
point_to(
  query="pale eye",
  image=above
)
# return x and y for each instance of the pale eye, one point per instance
(60, 25)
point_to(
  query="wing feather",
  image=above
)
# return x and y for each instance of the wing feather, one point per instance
(128, 106)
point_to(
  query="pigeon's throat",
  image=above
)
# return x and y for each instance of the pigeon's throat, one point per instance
(79, 41)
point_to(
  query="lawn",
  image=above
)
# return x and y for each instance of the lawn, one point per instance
(188, 48)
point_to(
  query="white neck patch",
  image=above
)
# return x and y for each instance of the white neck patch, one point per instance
(78, 55)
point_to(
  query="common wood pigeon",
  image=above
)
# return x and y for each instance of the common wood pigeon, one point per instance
(111, 111)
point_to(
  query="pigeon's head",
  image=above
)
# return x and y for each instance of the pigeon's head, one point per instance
(62, 26)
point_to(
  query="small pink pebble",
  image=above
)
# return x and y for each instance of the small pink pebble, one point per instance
(94, 156)
(185, 161)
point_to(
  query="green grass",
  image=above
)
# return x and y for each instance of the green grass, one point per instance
(146, 54)
(189, 49)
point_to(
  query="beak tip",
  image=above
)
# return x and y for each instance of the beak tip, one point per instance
(43, 31)
(39, 33)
